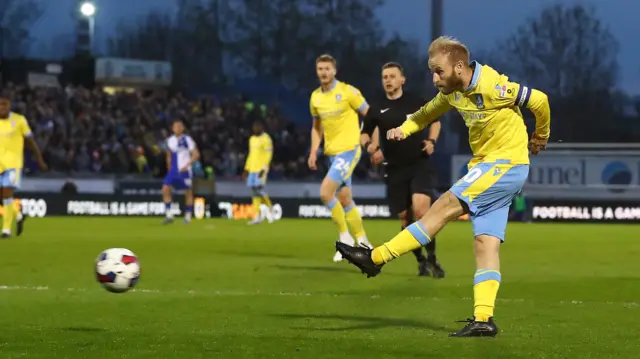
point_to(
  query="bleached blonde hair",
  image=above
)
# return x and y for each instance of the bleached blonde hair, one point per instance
(451, 46)
(327, 58)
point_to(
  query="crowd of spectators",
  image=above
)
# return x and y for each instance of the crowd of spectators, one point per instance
(84, 130)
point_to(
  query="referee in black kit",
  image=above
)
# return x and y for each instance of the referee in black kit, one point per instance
(409, 174)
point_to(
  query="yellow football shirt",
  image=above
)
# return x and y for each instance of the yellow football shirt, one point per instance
(260, 153)
(337, 109)
(490, 108)
(12, 133)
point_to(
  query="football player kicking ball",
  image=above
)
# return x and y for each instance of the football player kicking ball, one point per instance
(334, 107)
(490, 106)
(181, 155)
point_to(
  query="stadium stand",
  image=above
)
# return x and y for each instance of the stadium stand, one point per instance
(84, 130)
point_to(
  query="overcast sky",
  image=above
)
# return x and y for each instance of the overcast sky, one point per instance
(410, 18)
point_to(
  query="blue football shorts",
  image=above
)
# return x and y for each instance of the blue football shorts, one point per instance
(341, 166)
(11, 178)
(255, 180)
(488, 189)
(178, 180)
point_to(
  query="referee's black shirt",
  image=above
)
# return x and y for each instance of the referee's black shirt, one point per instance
(387, 114)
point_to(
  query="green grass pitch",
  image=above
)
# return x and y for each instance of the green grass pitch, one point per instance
(221, 289)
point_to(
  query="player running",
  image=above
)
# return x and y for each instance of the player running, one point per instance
(181, 154)
(490, 105)
(256, 169)
(334, 107)
(14, 129)
(410, 175)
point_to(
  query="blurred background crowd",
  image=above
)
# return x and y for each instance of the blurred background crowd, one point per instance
(265, 50)
(89, 130)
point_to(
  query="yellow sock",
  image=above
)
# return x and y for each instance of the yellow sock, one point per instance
(354, 220)
(485, 290)
(17, 210)
(266, 200)
(256, 206)
(7, 216)
(337, 214)
(406, 241)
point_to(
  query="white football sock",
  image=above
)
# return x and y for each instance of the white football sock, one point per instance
(346, 238)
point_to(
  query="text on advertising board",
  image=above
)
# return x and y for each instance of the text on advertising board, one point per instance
(586, 213)
(246, 211)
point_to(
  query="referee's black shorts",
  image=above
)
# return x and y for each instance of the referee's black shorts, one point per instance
(403, 181)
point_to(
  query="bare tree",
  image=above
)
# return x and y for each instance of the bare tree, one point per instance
(192, 39)
(16, 19)
(565, 50)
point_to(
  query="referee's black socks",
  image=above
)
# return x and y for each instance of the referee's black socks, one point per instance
(431, 249)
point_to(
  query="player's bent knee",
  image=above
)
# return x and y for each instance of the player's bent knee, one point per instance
(327, 190)
(7, 192)
(345, 197)
(326, 196)
(486, 245)
(487, 240)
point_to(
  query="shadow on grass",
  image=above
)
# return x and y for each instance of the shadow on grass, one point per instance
(244, 253)
(338, 268)
(358, 322)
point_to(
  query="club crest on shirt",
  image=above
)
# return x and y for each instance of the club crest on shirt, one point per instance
(479, 101)
(13, 123)
(457, 97)
(338, 97)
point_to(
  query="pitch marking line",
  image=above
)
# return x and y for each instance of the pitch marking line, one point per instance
(229, 293)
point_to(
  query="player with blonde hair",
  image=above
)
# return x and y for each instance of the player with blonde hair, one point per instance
(490, 105)
(334, 107)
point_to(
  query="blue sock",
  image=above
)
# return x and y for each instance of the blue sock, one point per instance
(188, 209)
(167, 209)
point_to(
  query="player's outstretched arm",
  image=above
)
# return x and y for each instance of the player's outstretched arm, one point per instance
(268, 150)
(25, 130)
(357, 102)
(375, 138)
(316, 139)
(539, 106)
(515, 94)
(316, 135)
(31, 142)
(427, 114)
(369, 137)
(538, 103)
(195, 156)
(167, 159)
